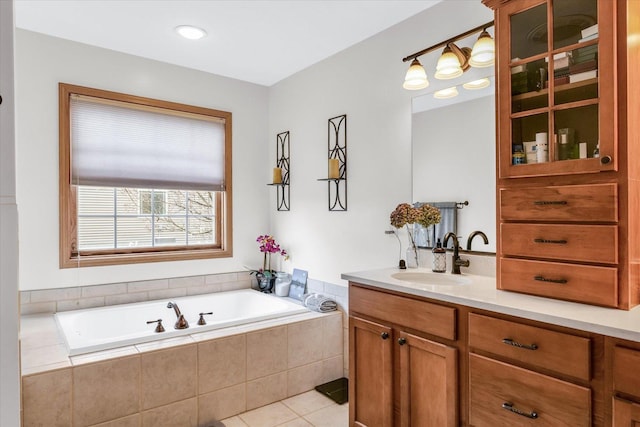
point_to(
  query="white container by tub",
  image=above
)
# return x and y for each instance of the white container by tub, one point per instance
(103, 328)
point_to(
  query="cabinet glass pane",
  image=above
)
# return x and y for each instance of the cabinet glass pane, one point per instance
(576, 77)
(529, 137)
(576, 126)
(529, 86)
(571, 18)
(529, 32)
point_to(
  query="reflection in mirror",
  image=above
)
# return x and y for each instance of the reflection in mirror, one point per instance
(453, 159)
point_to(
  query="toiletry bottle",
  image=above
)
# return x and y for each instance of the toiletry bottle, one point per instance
(439, 258)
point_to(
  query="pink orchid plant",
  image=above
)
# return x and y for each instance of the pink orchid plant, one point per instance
(267, 245)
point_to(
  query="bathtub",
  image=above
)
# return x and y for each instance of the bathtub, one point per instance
(104, 328)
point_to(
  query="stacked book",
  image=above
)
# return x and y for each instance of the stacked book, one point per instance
(561, 63)
(585, 59)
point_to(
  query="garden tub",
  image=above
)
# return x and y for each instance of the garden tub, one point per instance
(104, 328)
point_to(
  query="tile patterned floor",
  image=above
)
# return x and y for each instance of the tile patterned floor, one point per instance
(310, 409)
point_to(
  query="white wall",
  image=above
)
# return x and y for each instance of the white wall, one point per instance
(454, 160)
(364, 82)
(9, 357)
(42, 62)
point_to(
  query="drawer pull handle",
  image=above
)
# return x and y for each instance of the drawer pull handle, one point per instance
(545, 279)
(384, 335)
(509, 341)
(555, 242)
(509, 407)
(550, 202)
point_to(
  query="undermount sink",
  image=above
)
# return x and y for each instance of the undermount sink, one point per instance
(430, 278)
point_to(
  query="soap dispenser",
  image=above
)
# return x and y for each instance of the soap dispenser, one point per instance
(439, 258)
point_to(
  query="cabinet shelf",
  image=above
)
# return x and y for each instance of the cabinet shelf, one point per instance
(560, 88)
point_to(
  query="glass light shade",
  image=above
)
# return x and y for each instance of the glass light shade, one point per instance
(448, 66)
(416, 77)
(446, 93)
(477, 84)
(190, 32)
(483, 53)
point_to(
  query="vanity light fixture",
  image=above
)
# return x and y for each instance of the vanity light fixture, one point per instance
(477, 84)
(447, 93)
(454, 60)
(190, 32)
(416, 77)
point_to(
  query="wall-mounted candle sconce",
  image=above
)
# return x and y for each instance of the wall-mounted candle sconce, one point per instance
(281, 177)
(337, 163)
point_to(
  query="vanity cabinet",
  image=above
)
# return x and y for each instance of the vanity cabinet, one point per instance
(567, 218)
(404, 371)
(625, 383)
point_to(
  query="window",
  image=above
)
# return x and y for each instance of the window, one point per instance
(141, 180)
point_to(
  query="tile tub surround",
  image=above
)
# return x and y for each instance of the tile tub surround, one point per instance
(186, 381)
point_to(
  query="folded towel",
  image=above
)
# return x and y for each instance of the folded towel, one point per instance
(320, 303)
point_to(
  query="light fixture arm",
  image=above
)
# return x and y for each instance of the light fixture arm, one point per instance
(448, 41)
(463, 55)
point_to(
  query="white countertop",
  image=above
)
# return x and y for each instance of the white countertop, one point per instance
(481, 293)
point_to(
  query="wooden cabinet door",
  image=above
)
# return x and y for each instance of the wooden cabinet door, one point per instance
(371, 372)
(625, 414)
(428, 383)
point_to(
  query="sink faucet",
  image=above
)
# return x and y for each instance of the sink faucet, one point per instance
(474, 234)
(457, 261)
(181, 323)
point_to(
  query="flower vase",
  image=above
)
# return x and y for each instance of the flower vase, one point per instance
(412, 257)
(265, 283)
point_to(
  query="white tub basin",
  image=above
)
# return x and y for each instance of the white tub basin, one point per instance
(430, 278)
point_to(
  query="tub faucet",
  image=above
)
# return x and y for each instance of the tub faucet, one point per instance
(457, 261)
(181, 323)
(474, 234)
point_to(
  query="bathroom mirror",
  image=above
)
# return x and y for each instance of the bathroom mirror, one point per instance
(453, 156)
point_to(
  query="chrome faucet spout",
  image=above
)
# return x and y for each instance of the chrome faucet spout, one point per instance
(474, 234)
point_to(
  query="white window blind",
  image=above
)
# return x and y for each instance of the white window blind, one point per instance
(115, 144)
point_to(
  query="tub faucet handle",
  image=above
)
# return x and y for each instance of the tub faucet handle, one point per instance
(201, 320)
(159, 327)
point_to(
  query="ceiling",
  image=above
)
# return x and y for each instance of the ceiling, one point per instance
(258, 41)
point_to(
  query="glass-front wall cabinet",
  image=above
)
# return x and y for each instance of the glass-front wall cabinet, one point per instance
(560, 67)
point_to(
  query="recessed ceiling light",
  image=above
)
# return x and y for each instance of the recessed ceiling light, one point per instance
(190, 32)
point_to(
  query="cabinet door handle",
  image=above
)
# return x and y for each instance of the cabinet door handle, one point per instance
(555, 242)
(402, 341)
(605, 160)
(550, 202)
(545, 279)
(509, 407)
(511, 342)
(384, 335)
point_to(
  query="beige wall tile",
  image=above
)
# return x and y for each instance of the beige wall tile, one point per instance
(221, 278)
(266, 390)
(130, 421)
(148, 285)
(46, 399)
(332, 369)
(55, 294)
(183, 414)
(167, 293)
(235, 286)
(266, 352)
(104, 290)
(221, 404)
(77, 304)
(205, 289)
(222, 363)
(168, 376)
(332, 338)
(305, 342)
(40, 307)
(185, 282)
(126, 298)
(304, 378)
(106, 391)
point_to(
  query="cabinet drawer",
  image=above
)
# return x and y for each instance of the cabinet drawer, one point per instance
(419, 315)
(582, 283)
(626, 377)
(542, 348)
(589, 243)
(569, 203)
(499, 390)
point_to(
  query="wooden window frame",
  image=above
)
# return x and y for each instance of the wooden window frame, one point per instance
(69, 256)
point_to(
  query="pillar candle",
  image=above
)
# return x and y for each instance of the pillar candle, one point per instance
(277, 176)
(334, 168)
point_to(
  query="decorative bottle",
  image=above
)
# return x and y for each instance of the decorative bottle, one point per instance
(439, 258)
